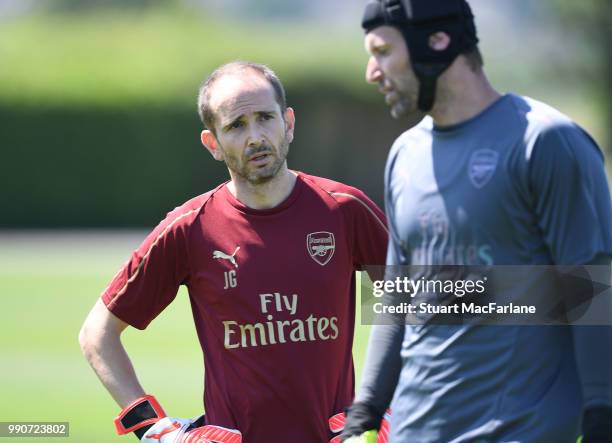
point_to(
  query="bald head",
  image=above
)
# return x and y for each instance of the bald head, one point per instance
(215, 91)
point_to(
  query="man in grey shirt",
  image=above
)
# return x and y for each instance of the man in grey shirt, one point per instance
(483, 179)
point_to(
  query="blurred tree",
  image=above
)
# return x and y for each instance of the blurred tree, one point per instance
(10, 8)
(591, 20)
(264, 10)
(270, 9)
(78, 6)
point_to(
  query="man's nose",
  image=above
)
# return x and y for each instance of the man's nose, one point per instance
(373, 72)
(255, 138)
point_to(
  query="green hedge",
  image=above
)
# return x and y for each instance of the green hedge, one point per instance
(97, 111)
(128, 166)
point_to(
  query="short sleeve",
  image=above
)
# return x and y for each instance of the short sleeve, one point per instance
(149, 280)
(369, 230)
(571, 195)
(395, 254)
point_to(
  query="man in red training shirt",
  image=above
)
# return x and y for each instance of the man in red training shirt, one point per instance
(269, 259)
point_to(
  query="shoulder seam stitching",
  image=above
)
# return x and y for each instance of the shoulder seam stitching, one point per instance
(343, 194)
(145, 256)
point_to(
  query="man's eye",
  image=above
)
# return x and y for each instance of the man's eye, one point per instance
(381, 51)
(236, 124)
(267, 117)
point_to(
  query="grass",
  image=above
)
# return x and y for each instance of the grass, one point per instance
(48, 283)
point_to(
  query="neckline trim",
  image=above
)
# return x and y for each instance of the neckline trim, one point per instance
(285, 204)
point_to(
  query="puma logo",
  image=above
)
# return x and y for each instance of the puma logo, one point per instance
(224, 256)
(167, 430)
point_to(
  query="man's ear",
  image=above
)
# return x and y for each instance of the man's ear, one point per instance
(210, 143)
(289, 124)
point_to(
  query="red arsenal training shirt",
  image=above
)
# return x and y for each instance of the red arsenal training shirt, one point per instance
(272, 293)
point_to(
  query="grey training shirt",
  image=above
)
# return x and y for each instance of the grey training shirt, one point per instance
(518, 184)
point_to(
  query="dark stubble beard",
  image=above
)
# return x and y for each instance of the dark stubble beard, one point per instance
(407, 96)
(259, 176)
(404, 106)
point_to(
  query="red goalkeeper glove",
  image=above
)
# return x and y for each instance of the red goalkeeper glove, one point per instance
(176, 430)
(146, 418)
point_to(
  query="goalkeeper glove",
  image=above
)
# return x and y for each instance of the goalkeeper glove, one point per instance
(139, 416)
(364, 425)
(146, 418)
(366, 437)
(176, 430)
(597, 425)
(167, 430)
(337, 423)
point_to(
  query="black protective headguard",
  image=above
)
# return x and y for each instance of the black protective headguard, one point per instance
(417, 20)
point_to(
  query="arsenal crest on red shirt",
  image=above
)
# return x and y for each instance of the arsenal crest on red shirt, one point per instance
(321, 246)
